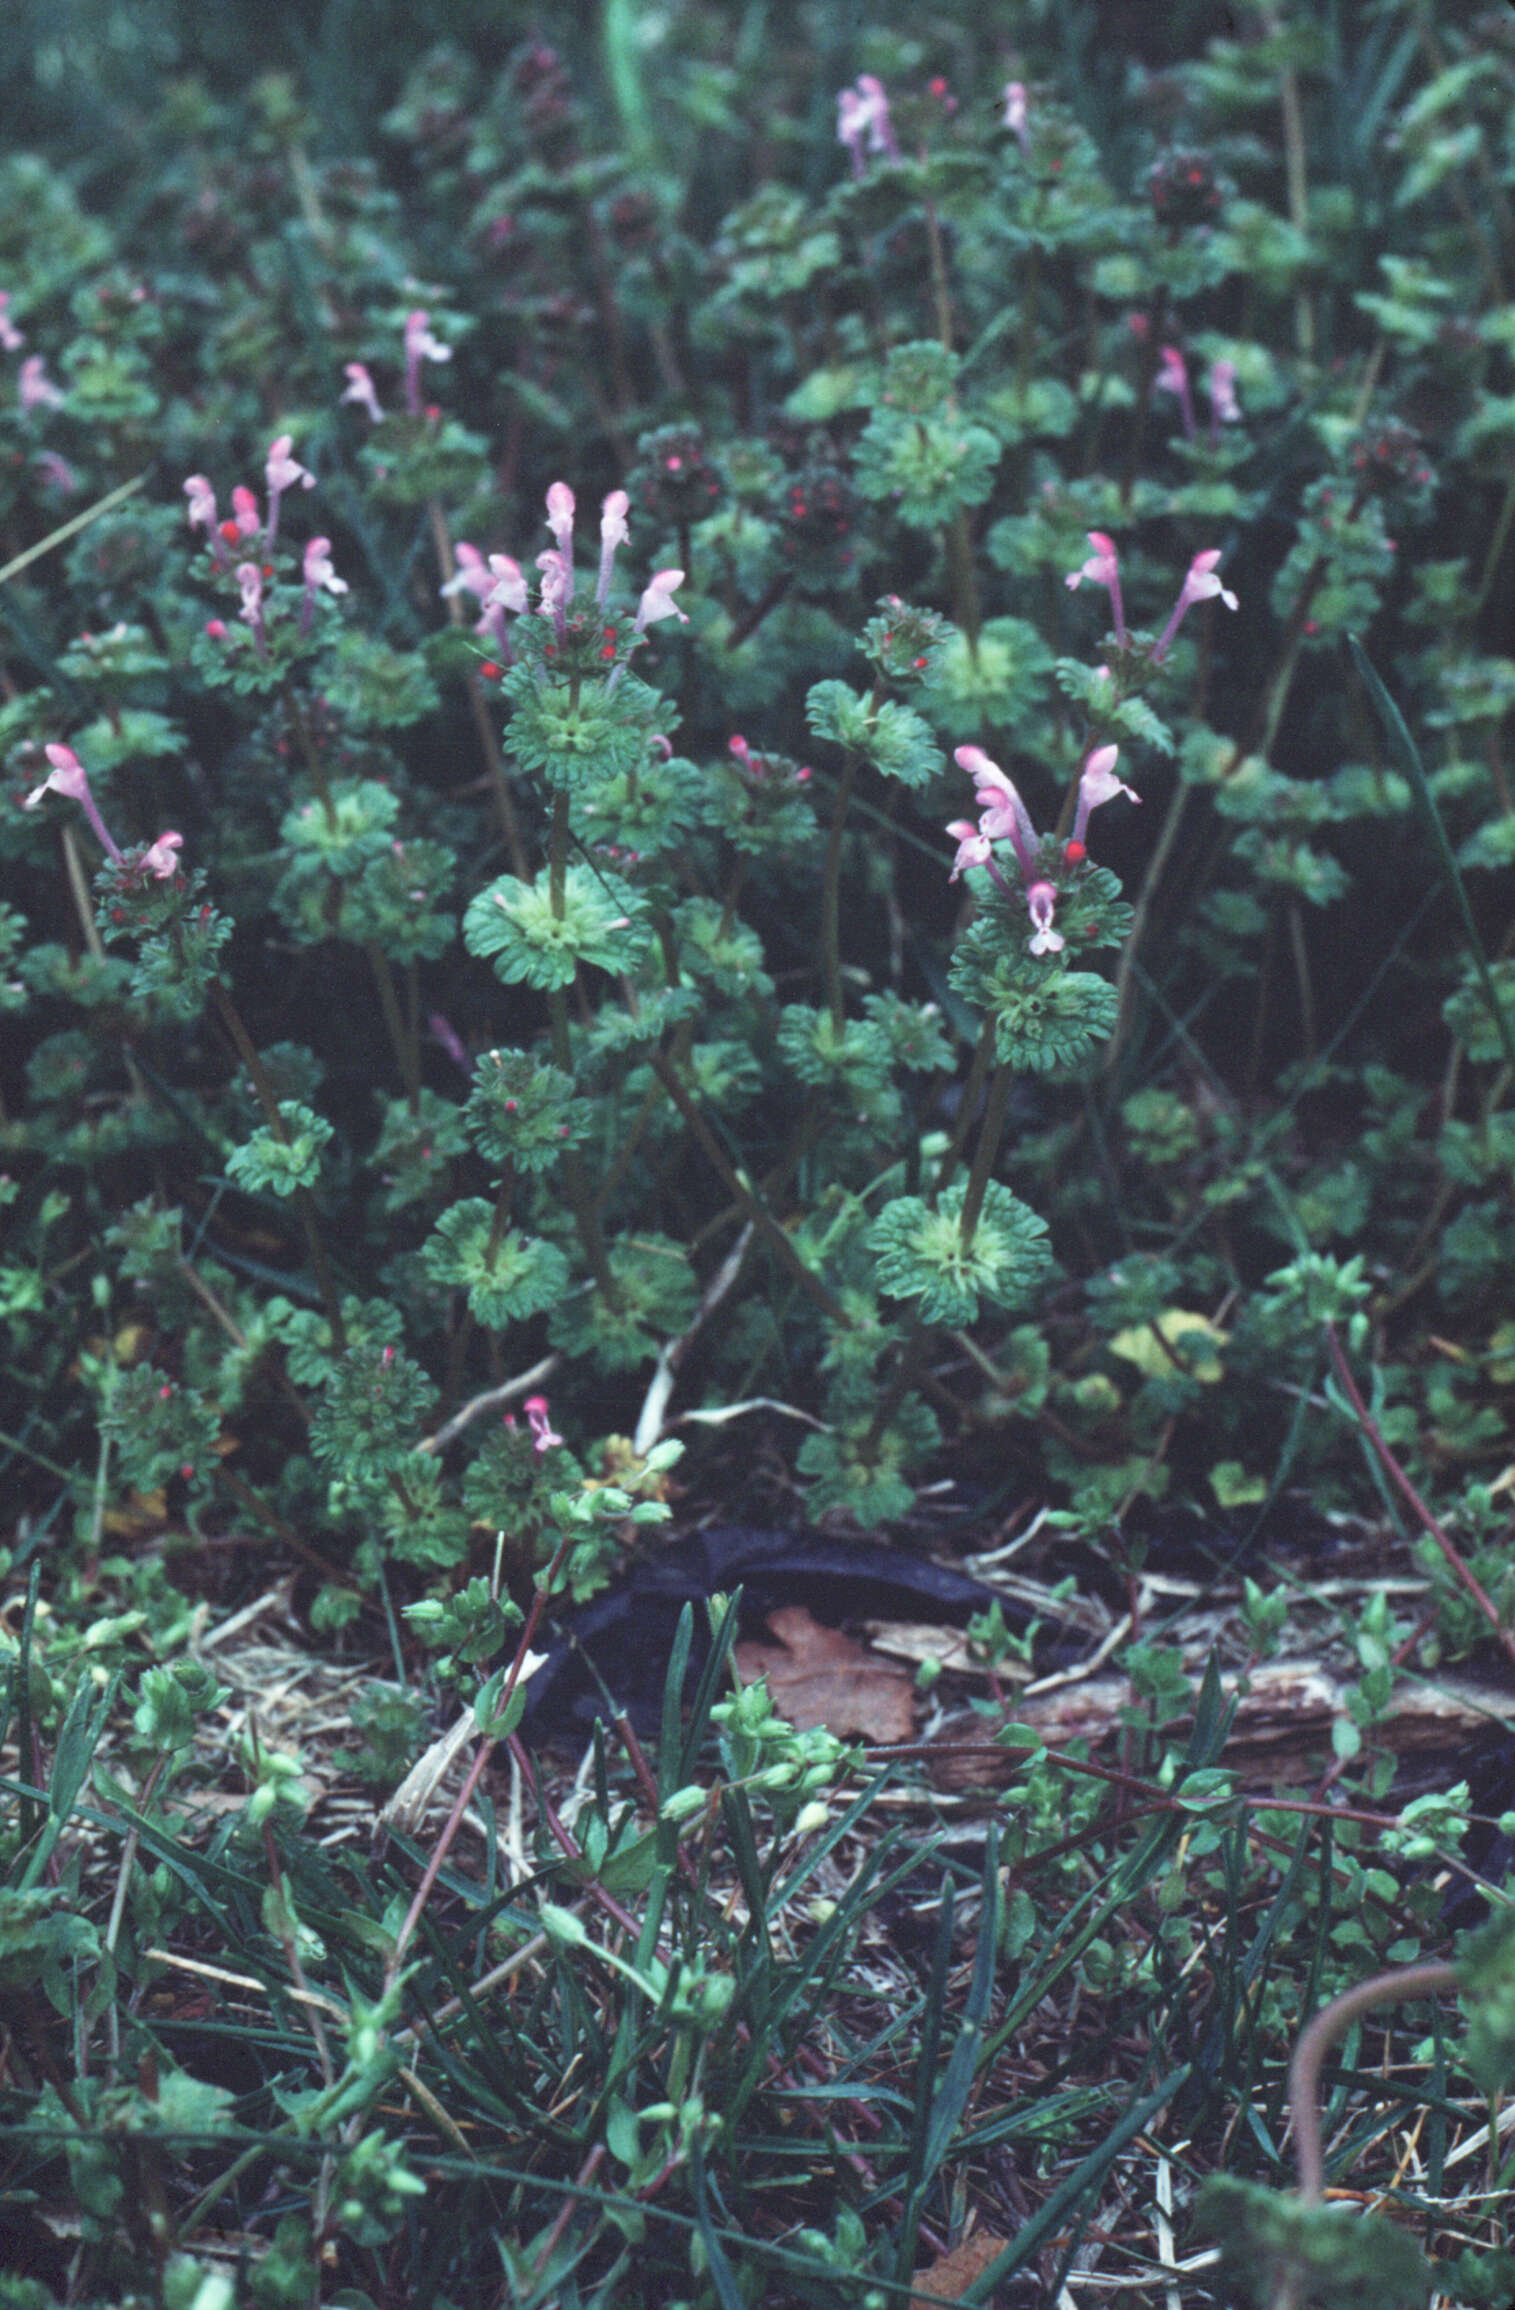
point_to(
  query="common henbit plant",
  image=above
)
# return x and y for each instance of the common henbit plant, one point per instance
(508, 1031)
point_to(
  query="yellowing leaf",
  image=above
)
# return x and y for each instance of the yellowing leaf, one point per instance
(1171, 1343)
(1233, 1487)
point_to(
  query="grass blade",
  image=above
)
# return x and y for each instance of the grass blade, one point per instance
(1405, 751)
(1083, 2177)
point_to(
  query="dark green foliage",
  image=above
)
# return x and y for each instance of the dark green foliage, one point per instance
(396, 1025)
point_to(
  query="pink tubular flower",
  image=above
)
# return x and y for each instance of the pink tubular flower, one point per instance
(973, 847)
(250, 579)
(11, 338)
(507, 587)
(852, 126)
(658, 602)
(245, 515)
(67, 777)
(36, 388)
(1041, 898)
(201, 510)
(1102, 569)
(1016, 110)
(443, 1031)
(506, 590)
(560, 509)
(1173, 377)
(57, 471)
(1098, 784)
(555, 589)
(542, 1436)
(282, 472)
(1221, 387)
(1200, 585)
(359, 388)
(420, 345)
(881, 137)
(862, 117)
(470, 572)
(161, 859)
(613, 533)
(318, 571)
(1002, 813)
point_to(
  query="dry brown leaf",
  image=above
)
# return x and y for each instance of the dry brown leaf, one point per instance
(948, 1647)
(955, 2272)
(819, 1676)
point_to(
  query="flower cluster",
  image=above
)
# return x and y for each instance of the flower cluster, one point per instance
(1004, 817)
(1200, 584)
(499, 585)
(863, 123)
(1220, 385)
(248, 531)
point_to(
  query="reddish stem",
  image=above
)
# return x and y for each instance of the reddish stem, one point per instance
(1332, 2021)
(1459, 1570)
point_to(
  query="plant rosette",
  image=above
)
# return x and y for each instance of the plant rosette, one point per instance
(922, 1254)
(522, 1111)
(513, 924)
